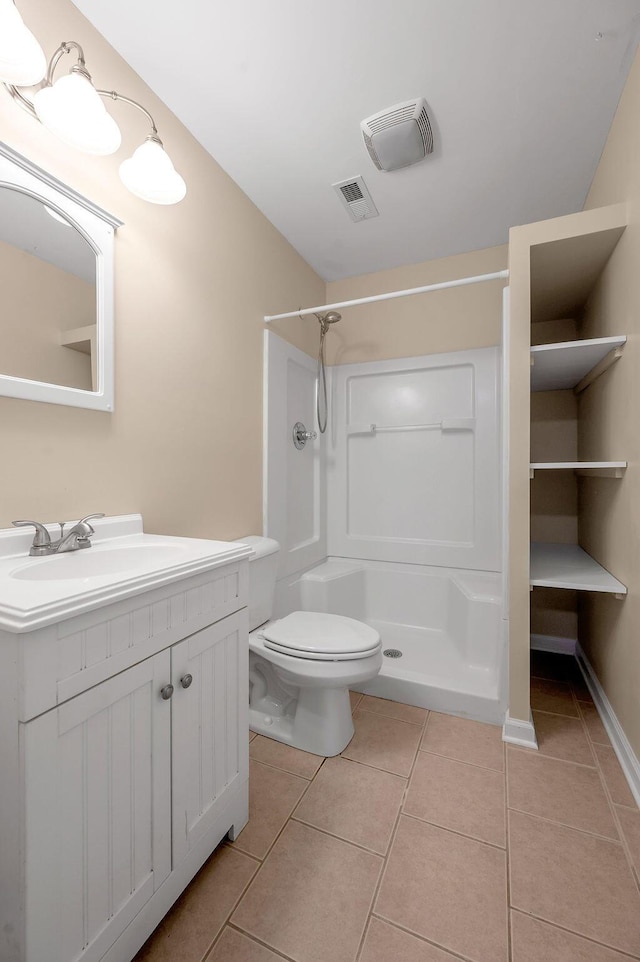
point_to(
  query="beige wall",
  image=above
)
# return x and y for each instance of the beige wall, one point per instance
(39, 301)
(452, 320)
(192, 282)
(610, 428)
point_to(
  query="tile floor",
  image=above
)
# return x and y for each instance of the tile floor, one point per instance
(427, 840)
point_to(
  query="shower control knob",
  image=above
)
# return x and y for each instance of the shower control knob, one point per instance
(301, 435)
(186, 680)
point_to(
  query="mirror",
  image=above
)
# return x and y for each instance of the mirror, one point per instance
(56, 290)
(48, 285)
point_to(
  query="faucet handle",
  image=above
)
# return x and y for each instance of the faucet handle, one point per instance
(41, 538)
(83, 528)
(90, 517)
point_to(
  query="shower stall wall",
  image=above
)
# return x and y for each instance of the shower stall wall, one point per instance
(405, 490)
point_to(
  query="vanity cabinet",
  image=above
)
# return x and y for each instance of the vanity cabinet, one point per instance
(125, 787)
(98, 813)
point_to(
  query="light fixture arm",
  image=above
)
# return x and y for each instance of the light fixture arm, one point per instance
(80, 67)
(66, 47)
(71, 108)
(113, 95)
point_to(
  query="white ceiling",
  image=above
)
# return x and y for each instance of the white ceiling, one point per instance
(521, 95)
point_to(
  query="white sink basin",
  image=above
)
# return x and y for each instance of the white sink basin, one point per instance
(122, 561)
(89, 563)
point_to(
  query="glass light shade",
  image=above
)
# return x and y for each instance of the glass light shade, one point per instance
(22, 60)
(73, 111)
(150, 175)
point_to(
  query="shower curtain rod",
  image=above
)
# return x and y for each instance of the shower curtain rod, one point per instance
(460, 282)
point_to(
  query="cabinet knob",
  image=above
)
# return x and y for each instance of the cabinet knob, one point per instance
(186, 680)
(166, 692)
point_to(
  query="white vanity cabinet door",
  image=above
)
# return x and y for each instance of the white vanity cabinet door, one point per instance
(210, 725)
(98, 819)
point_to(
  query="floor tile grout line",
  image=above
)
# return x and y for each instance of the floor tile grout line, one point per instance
(453, 831)
(540, 754)
(580, 935)
(583, 728)
(635, 874)
(339, 838)
(363, 937)
(232, 910)
(428, 751)
(574, 828)
(385, 860)
(507, 852)
(254, 938)
(375, 768)
(262, 862)
(421, 938)
(622, 840)
(286, 822)
(621, 843)
(286, 770)
(561, 714)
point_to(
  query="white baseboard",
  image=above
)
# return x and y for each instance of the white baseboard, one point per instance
(561, 646)
(626, 755)
(518, 732)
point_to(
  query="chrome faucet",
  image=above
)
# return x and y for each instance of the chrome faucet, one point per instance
(78, 537)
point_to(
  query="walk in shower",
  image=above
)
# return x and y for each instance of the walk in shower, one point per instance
(394, 515)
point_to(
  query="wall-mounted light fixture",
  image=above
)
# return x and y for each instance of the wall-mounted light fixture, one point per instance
(72, 109)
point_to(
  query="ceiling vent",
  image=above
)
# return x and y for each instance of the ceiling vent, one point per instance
(398, 136)
(356, 198)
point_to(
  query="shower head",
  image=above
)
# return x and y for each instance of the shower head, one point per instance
(331, 317)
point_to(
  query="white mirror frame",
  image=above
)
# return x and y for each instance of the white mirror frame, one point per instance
(97, 227)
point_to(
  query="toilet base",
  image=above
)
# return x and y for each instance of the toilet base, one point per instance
(320, 722)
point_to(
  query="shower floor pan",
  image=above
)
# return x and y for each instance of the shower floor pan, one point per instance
(446, 623)
(430, 674)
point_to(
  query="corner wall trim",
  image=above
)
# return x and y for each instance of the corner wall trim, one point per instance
(555, 643)
(518, 732)
(621, 745)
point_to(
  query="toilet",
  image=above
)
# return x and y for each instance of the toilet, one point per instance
(302, 666)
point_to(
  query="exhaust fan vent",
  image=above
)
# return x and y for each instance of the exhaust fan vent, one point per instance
(356, 198)
(398, 136)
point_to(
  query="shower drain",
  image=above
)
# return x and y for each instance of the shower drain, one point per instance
(392, 653)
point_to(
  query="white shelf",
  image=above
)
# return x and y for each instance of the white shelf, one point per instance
(594, 469)
(79, 338)
(568, 566)
(558, 367)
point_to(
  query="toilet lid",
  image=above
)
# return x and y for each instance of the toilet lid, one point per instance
(314, 634)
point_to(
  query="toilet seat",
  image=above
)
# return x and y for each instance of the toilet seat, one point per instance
(317, 636)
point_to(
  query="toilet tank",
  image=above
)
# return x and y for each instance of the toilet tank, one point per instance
(263, 569)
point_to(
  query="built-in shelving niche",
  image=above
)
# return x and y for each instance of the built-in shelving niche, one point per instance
(569, 566)
(573, 364)
(564, 366)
